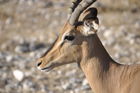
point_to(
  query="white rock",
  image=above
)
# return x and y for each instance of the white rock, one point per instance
(85, 85)
(66, 86)
(19, 75)
(108, 33)
(9, 58)
(85, 82)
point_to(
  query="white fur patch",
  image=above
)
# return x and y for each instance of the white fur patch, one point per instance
(86, 30)
(62, 39)
(95, 25)
(90, 29)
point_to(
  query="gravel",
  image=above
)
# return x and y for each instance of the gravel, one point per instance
(28, 27)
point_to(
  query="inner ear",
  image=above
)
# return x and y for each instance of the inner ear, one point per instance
(90, 26)
(90, 21)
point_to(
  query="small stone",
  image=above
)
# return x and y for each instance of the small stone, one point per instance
(28, 84)
(1, 55)
(137, 24)
(22, 48)
(9, 21)
(108, 33)
(19, 75)
(9, 58)
(138, 54)
(48, 4)
(3, 1)
(85, 85)
(66, 86)
(85, 82)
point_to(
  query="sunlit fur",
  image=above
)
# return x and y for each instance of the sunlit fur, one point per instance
(102, 72)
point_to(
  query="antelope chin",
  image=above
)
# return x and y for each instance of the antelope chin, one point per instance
(47, 69)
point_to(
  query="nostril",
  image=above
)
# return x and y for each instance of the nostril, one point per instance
(39, 64)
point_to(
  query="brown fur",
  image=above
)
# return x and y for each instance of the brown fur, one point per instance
(102, 72)
(105, 75)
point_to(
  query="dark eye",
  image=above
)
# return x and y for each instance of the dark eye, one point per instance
(69, 38)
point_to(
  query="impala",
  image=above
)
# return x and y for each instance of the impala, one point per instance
(78, 42)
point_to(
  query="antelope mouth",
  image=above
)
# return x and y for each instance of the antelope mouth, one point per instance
(48, 68)
(51, 67)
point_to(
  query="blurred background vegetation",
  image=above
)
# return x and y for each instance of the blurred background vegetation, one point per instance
(28, 27)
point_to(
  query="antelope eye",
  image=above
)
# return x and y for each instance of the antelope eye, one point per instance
(69, 38)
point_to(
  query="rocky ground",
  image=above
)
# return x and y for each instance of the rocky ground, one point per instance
(28, 27)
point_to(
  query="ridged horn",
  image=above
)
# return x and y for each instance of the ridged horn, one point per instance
(78, 7)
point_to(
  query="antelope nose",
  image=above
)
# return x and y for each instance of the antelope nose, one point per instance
(39, 63)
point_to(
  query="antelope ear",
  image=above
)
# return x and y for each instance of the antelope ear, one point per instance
(90, 26)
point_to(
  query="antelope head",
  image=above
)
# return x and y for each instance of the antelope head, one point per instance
(82, 24)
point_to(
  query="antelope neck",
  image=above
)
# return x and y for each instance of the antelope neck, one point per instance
(99, 68)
